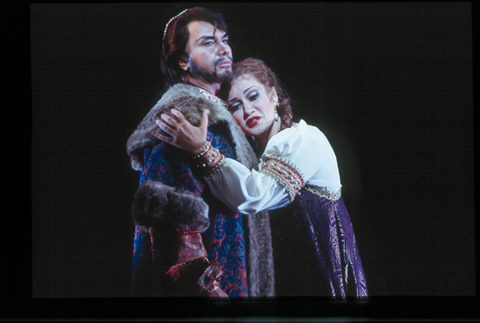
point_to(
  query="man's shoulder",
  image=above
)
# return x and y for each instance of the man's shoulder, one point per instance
(191, 101)
(180, 91)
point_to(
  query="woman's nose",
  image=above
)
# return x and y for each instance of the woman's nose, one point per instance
(247, 109)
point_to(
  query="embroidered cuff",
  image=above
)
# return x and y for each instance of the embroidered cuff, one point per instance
(286, 174)
(202, 150)
(208, 159)
(324, 192)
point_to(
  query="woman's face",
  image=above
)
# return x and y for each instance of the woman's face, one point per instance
(252, 106)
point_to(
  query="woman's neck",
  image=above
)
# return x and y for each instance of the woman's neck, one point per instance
(264, 138)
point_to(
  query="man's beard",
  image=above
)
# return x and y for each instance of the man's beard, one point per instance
(211, 77)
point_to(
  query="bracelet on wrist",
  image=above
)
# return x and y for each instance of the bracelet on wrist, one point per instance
(200, 151)
(208, 159)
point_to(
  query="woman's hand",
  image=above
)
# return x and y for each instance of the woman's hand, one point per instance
(182, 133)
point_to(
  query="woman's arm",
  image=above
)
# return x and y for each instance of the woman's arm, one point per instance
(278, 180)
(239, 188)
(243, 190)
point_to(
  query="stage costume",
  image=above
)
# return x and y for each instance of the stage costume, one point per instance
(315, 250)
(195, 243)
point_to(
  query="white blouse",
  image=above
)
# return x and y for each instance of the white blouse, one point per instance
(305, 148)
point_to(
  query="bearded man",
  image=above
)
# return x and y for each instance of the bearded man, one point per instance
(187, 242)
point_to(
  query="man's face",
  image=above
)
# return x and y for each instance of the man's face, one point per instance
(209, 55)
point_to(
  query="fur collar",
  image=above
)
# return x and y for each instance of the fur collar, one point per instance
(191, 103)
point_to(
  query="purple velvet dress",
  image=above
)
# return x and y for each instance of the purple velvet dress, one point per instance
(315, 252)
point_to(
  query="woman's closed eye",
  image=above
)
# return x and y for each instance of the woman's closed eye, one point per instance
(232, 107)
(252, 96)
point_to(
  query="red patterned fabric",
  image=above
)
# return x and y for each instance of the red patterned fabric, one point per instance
(224, 240)
(190, 247)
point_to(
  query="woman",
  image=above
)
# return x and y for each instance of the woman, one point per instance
(316, 253)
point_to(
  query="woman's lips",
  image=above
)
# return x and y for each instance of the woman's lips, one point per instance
(252, 122)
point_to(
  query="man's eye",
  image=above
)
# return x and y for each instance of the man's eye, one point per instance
(208, 43)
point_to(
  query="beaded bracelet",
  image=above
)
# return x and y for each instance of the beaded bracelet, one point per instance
(208, 159)
(199, 152)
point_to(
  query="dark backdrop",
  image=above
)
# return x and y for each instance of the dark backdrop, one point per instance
(390, 84)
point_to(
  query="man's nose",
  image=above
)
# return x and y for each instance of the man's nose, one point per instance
(224, 49)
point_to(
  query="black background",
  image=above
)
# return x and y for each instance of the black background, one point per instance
(390, 84)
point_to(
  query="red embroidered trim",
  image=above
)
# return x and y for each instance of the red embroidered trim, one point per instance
(285, 174)
(190, 247)
(209, 160)
(212, 96)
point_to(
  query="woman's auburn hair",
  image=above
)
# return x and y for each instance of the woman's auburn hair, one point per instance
(264, 75)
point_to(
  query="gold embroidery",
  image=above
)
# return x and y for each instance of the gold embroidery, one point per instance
(324, 192)
(285, 173)
(212, 97)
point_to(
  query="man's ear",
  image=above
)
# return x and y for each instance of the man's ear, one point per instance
(183, 63)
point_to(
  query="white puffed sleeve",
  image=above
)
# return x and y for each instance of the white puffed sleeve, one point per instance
(246, 191)
(296, 152)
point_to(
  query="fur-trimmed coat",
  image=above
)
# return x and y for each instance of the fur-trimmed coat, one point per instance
(173, 201)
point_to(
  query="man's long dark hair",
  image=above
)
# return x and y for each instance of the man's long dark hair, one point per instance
(176, 38)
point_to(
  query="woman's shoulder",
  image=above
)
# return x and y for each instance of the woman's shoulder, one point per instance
(299, 138)
(300, 130)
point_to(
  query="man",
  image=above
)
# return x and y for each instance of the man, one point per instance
(186, 242)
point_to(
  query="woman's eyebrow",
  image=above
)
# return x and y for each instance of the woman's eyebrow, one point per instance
(248, 89)
(233, 99)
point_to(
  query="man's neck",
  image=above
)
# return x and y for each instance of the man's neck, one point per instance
(210, 87)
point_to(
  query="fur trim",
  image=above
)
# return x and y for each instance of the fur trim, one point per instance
(191, 103)
(147, 203)
(154, 199)
(261, 278)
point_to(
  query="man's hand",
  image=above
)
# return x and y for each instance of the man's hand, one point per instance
(183, 134)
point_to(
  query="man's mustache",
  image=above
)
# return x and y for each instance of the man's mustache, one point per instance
(223, 59)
